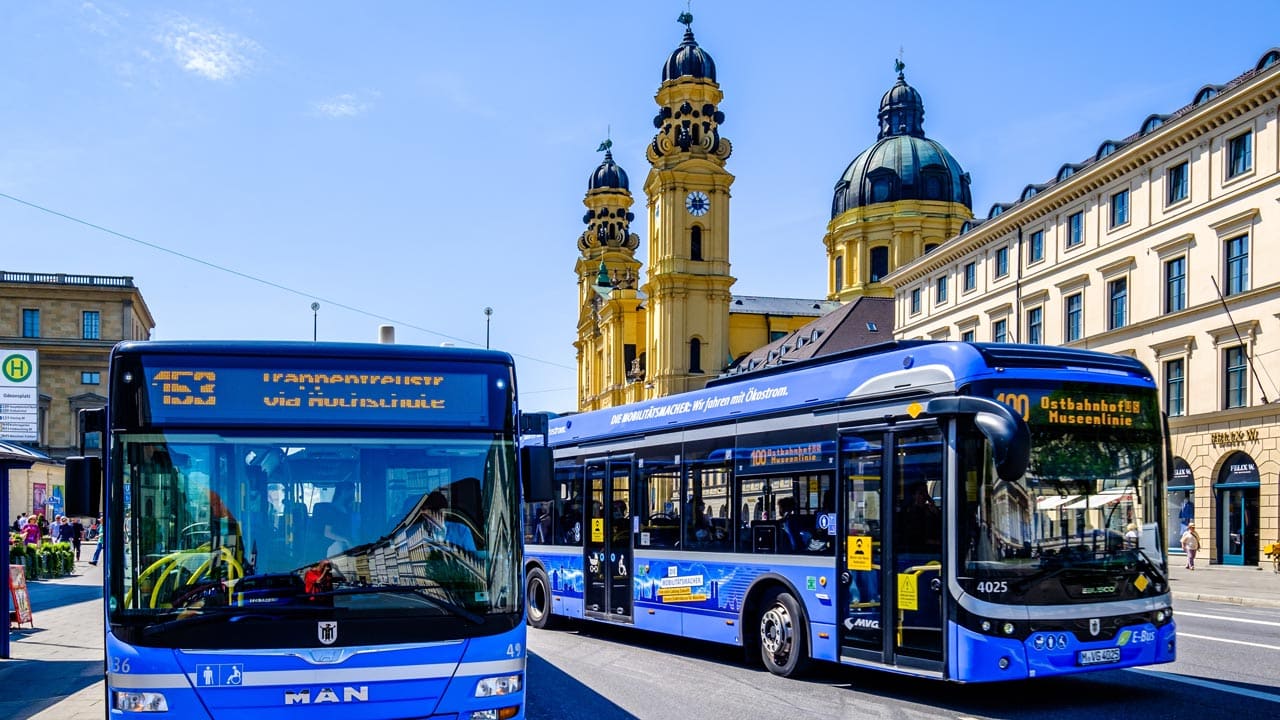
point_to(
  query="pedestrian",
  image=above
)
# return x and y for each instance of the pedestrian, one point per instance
(77, 536)
(20, 524)
(1191, 544)
(60, 531)
(102, 541)
(31, 533)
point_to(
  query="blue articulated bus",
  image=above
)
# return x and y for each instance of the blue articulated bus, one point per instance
(328, 529)
(957, 511)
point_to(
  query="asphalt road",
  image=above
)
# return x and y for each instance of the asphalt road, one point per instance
(1229, 665)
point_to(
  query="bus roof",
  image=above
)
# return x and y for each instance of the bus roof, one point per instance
(282, 348)
(883, 370)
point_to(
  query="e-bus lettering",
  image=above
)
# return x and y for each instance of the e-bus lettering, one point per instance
(291, 378)
(327, 695)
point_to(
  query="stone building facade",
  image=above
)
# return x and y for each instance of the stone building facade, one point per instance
(1156, 247)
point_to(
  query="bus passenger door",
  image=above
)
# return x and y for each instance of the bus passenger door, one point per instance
(891, 573)
(919, 580)
(607, 546)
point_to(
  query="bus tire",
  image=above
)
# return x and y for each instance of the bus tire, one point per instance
(784, 641)
(537, 593)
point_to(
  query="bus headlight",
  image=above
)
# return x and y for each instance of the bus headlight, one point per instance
(498, 685)
(1008, 628)
(140, 701)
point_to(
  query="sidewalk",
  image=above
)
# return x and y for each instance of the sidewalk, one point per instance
(1249, 586)
(55, 669)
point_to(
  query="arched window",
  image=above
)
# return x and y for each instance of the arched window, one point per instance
(839, 271)
(879, 263)
(695, 243)
(930, 247)
(695, 355)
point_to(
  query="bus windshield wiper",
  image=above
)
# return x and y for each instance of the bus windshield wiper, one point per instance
(448, 606)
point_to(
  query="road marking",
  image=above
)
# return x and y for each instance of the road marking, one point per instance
(1225, 617)
(1233, 642)
(1223, 687)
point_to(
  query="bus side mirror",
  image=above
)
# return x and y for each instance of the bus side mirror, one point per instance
(82, 486)
(537, 473)
(1007, 432)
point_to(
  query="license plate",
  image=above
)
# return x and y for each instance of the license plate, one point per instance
(1098, 657)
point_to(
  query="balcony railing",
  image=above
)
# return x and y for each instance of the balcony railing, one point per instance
(65, 279)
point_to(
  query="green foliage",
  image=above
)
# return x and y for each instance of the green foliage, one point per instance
(43, 561)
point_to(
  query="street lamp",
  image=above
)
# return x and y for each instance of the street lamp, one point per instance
(488, 313)
(315, 319)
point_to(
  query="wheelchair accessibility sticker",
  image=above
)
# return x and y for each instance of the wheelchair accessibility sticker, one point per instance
(219, 675)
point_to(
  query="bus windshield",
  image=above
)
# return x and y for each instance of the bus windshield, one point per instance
(311, 525)
(1085, 522)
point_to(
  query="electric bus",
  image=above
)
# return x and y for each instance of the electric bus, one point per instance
(310, 527)
(967, 512)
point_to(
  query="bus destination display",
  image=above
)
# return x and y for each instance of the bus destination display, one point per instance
(360, 397)
(1081, 408)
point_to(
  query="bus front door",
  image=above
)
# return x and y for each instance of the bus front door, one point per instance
(607, 546)
(892, 579)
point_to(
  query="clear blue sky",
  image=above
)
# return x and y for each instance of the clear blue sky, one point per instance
(419, 161)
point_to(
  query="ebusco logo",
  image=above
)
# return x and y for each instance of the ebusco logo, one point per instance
(16, 368)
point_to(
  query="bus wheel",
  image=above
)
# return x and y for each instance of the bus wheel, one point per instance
(784, 645)
(538, 593)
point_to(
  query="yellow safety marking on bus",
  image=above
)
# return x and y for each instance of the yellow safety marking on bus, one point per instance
(908, 595)
(859, 552)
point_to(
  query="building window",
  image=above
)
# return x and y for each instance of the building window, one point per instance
(1117, 303)
(839, 272)
(1237, 269)
(940, 290)
(970, 276)
(1240, 152)
(695, 355)
(30, 323)
(1074, 325)
(1035, 326)
(1175, 284)
(967, 336)
(915, 300)
(1000, 331)
(1176, 180)
(1035, 247)
(91, 325)
(1075, 229)
(1002, 262)
(90, 378)
(1120, 208)
(1175, 388)
(879, 264)
(1236, 379)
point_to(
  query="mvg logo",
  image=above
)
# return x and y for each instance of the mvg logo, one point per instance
(327, 695)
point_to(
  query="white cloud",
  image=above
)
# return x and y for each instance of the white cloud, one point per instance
(345, 105)
(100, 22)
(211, 52)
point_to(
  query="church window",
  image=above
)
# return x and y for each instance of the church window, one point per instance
(695, 355)
(695, 243)
(839, 271)
(879, 263)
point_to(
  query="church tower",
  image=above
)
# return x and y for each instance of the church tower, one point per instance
(688, 283)
(899, 199)
(610, 325)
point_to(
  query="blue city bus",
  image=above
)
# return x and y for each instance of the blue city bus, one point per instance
(958, 511)
(311, 527)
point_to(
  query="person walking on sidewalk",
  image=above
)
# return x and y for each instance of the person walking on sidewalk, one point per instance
(76, 533)
(1191, 544)
(102, 541)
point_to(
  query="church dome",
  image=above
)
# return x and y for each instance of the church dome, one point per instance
(609, 175)
(689, 59)
(903, 164)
